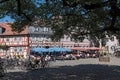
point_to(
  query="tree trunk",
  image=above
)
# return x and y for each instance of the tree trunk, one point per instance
(100, 43)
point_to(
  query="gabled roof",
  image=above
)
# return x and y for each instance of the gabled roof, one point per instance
(8, 29)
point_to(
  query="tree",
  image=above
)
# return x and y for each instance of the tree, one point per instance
(76, 18)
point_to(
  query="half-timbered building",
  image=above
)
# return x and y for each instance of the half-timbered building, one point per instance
(32, 36)
(17, 42)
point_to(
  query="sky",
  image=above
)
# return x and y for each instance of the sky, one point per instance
(6, 19)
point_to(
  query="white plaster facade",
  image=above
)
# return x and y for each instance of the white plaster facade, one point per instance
(111, 42)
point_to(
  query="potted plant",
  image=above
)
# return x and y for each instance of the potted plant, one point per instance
(104, 57)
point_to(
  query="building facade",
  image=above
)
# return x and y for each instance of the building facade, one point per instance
(111, 43)
(30, 37)
(17, 42)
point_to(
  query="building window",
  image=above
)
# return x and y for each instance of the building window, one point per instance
(7, 39)
(19, 38)
(15, 49)
(15, 38)
(33, 38)
(0, 50)
(44, 29)
(39, 37)
(21, 49)
(0, 38)
(47, 37)
(18, 49)
(36, 29)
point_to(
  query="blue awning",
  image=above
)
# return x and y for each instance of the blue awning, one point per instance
(41, 49)
(52, 49)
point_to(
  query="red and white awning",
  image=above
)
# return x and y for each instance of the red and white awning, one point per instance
(84, 49)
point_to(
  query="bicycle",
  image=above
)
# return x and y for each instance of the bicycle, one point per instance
(3, 70)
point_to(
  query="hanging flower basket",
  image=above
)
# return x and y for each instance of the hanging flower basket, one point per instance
(5, 47)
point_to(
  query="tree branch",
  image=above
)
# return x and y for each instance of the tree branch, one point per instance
(94, 6)
(26, 16)
(19, 7)
(3, 1)
(72, 4)
(113, 13)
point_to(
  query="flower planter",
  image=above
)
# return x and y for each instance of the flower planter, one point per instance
(104, 59)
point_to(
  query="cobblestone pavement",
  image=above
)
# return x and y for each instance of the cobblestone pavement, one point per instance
(82, 69)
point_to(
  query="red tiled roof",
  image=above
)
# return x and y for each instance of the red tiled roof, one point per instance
(8, 29)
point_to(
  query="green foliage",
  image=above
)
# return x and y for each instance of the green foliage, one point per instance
(5, 47)
(75, 18)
